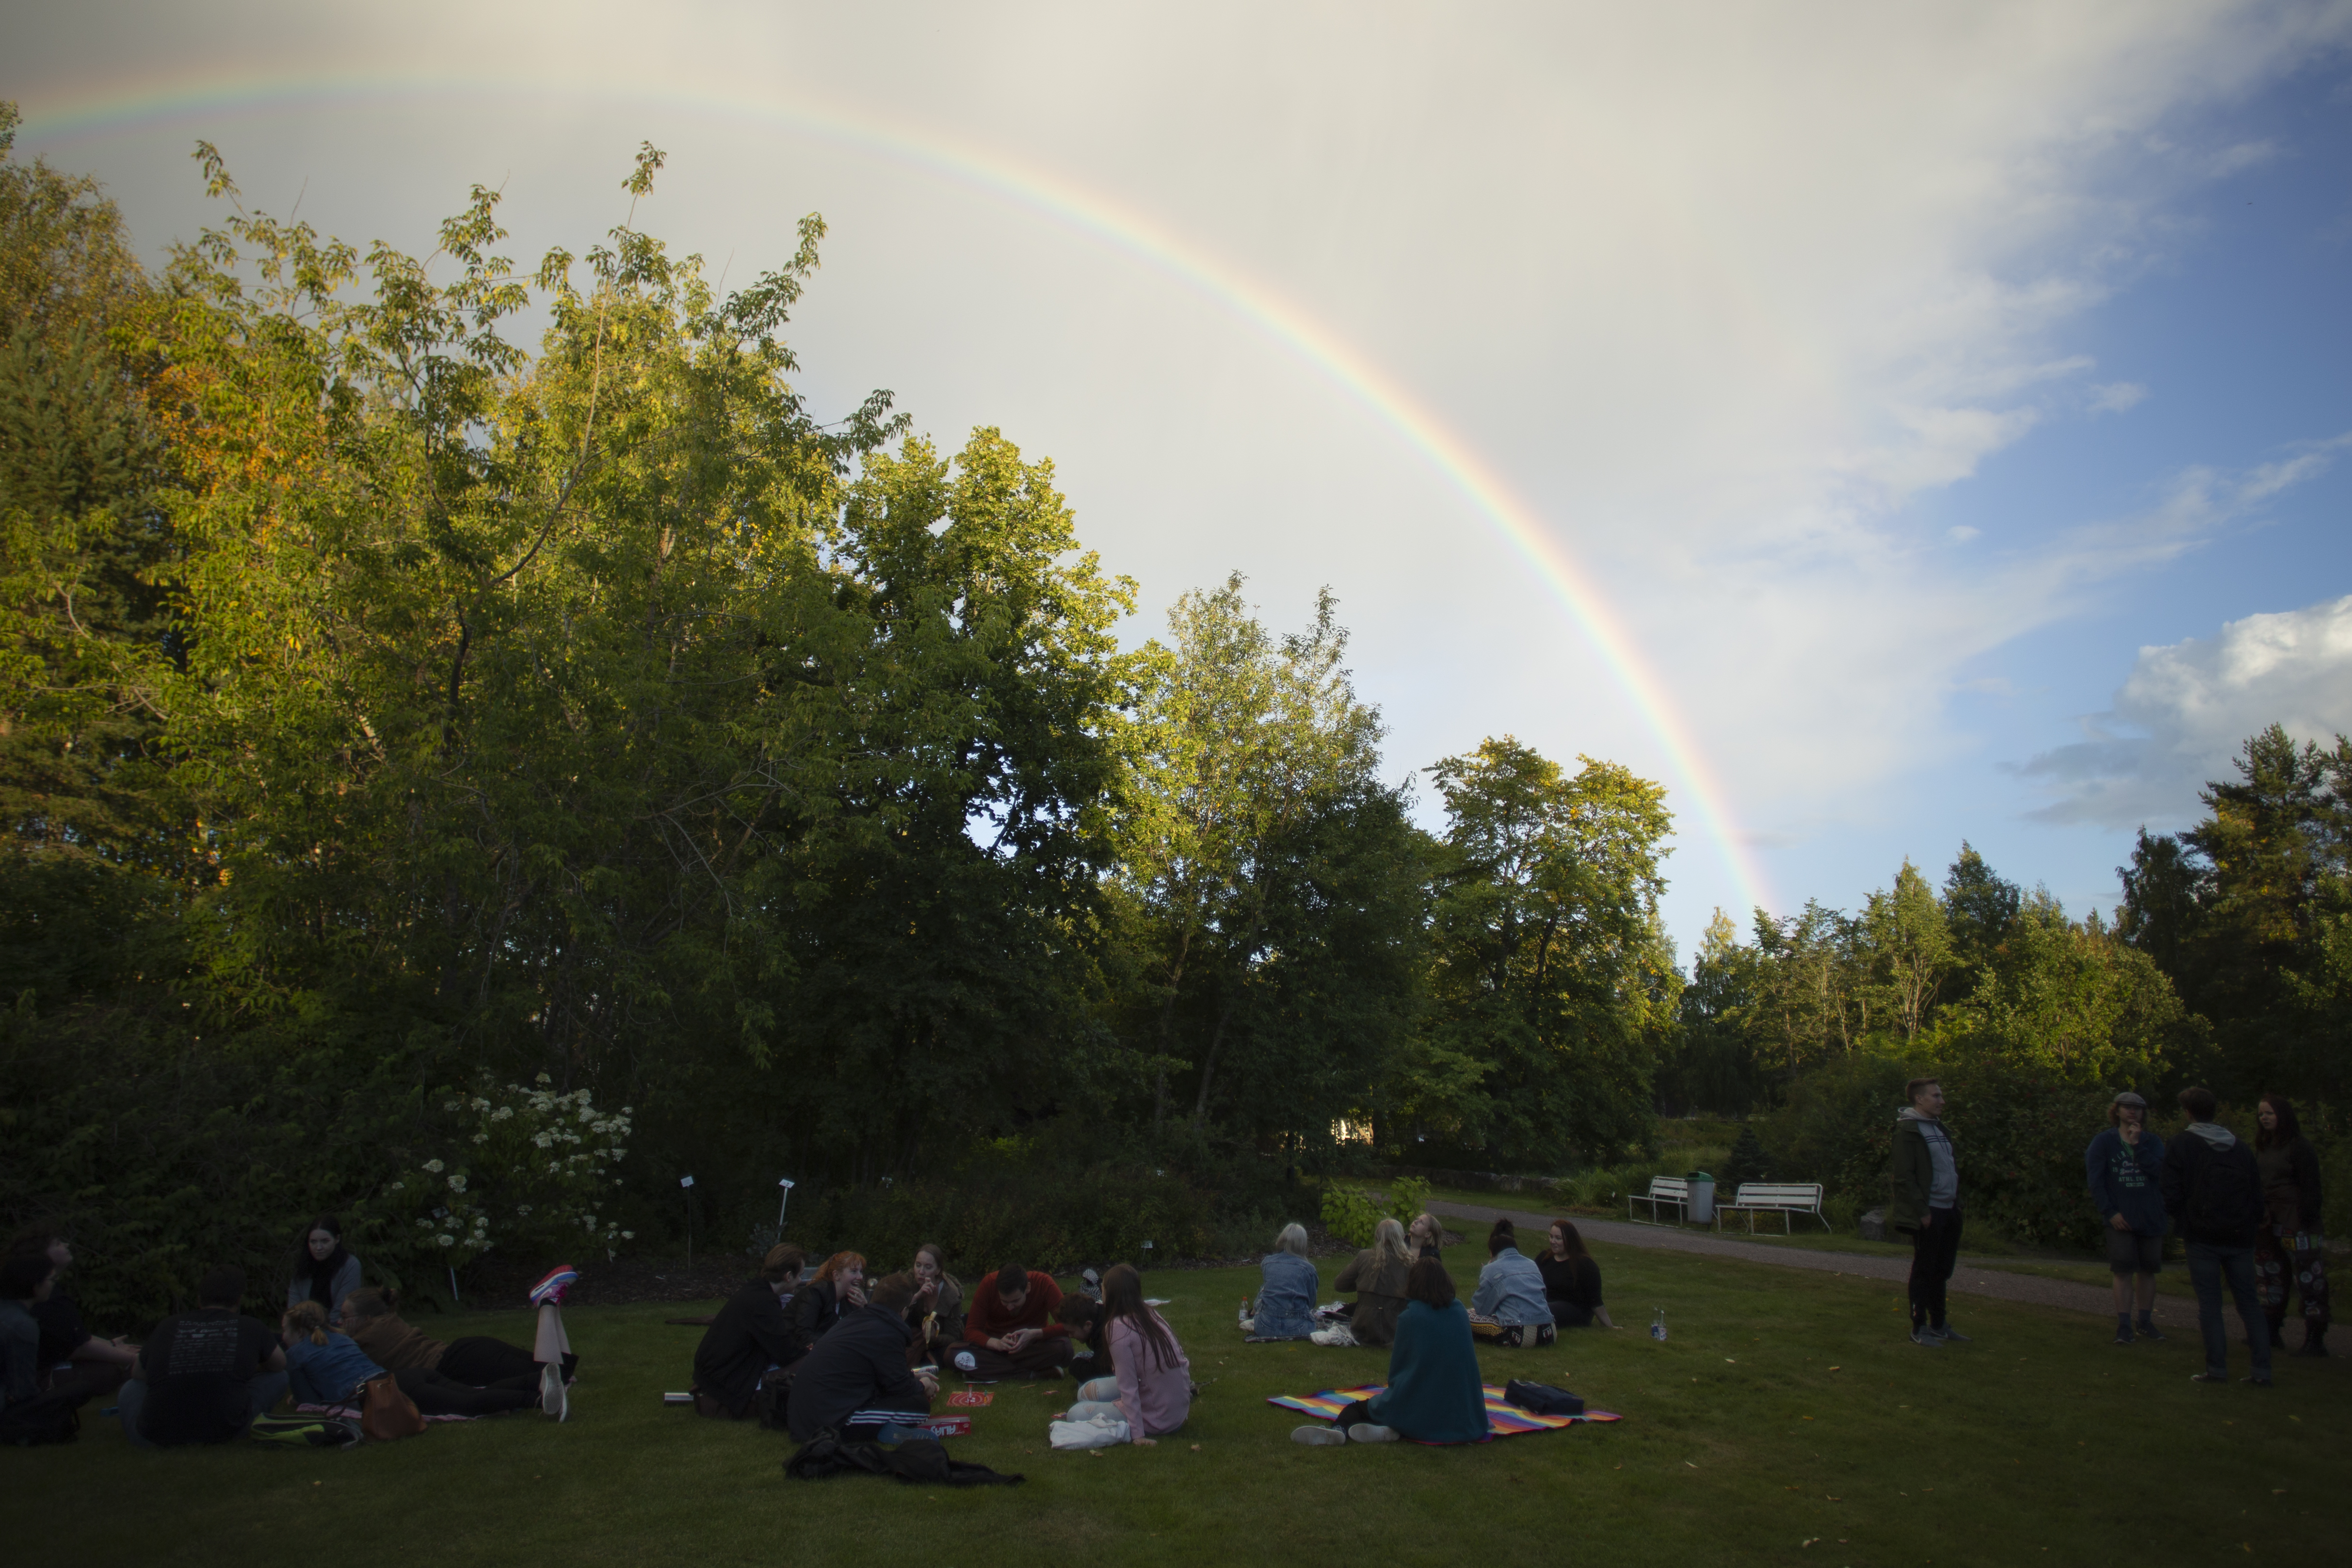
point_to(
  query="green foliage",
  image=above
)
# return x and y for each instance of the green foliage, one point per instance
(528, 1168)
(1059, 1221)
(1747, 1163)
(1353, 1214)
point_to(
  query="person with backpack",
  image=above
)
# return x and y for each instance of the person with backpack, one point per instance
(324, 1269)
(2213, 1191)
(2289, 1248)
(27, 1413)
(856, 1380)
(2122, 1165)
(1926, 1208)
(204, 1376)
(751, 1337)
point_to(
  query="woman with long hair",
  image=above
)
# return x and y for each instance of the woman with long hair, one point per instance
(1377, 1275)
(840, 1283)
(1286, 1288)
(324, 1269)
(937, 1311)
(1434, 1394)
(1151, 1390)
(324, 1367)
(1427, 1237)
(2289, 1251)
(1571, 1279)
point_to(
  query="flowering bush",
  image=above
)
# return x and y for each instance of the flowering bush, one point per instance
(529, 1168)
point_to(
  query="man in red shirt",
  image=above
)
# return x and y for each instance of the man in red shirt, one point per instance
(1010, 1331)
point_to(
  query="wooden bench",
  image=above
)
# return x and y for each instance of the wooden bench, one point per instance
(1675, 1190)
(1782, 1198)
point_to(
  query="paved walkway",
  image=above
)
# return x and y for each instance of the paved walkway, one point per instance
(2000, 1284)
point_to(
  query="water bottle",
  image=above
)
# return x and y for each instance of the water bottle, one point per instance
(1658, 1324)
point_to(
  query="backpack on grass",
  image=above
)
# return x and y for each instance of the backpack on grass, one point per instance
(304, 1431)
(1542, 1398)
(52, 1417)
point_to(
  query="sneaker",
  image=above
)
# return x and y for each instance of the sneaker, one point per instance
(1318, 1436)
(1512, 1337)
(1927, 1337)
(1951, 1335)
(1365, 1432)
(553, 1397)
(2209, 1375)
(2123, 1336)
(2259, 1381)
(2148, 1332)
(554, 1286)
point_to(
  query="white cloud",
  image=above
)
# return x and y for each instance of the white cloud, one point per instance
(2115, 396)
(2187, 709)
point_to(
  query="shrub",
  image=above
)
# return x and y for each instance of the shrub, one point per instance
(1747, 1163)
(1352, 1214)
(525, 1167)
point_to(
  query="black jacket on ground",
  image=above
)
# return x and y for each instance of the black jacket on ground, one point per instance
(860, 1364)
(752, 1333)
(2190, 1164)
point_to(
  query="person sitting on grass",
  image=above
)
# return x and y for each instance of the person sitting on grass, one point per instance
(939, 1306)
(839, 1285)
(1152, 1389)
(1011, 1330)
(1426, 1235)
(1571, 1280)
(203, 1376)
(98, 1366)
(371, 1319)
(27, 1281)
(1434, 1393)
(1287, 1288)
(751, 1336)
(1510, 1299)
(1377, 1275)
(324, 1367)
(1083, 1316)
(856, 1380)
(324, 1269)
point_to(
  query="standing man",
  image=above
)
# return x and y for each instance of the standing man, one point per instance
(2213, 1191)
(2123, 1164)
(1928, 1206)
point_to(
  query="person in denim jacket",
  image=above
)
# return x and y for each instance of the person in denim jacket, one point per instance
(1286, 1296)
(1510, 1297)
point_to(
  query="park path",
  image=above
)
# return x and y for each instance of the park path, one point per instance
(1999, 1284)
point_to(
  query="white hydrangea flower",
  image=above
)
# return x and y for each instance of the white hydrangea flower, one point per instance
(457, 1183)
(478, 1103)
(435, 1166)
(628, 1235)
(542, 1078)
(446, 1239)
(481, 1137)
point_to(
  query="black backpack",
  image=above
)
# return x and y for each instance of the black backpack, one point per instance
(2228, 1202)
(52, 1417)
(1542, 1398)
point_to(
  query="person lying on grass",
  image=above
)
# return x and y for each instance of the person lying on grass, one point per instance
(1011, 1330)
(1510, 1307)
(1287, 1288)
(1572, 1280)
(856, 1380)
(1434, 1393)
(1152, 1389)
(325, 1367)
(371, 1317)
(751, 1336)
(1377, 1275)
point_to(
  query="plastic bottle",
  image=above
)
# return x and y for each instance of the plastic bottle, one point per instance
(1658, 1324)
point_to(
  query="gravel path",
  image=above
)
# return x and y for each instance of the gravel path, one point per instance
(2031, 1288)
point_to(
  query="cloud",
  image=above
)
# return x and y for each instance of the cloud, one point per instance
(2116, 396)
(2187, 709)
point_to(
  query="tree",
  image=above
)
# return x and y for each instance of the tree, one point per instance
(1716, 1062)
(1911, 949)
(1553, 986)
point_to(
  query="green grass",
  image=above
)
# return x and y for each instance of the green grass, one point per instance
(1784, 1408)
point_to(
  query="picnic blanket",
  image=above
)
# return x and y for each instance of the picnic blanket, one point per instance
(1503, 1418)
(351, 1412)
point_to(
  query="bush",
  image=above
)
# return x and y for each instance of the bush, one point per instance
(1352, 1214)
(1747, 1163)
(1041, 1219)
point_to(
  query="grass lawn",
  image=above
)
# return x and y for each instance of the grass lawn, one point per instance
(1785, 1420)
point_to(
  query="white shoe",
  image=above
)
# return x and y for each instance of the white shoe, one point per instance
(553, 1397)
(1318, 1435)
(1333, 1336)
(1365, 1432)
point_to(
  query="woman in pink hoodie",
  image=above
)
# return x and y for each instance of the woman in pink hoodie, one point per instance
(1150, 1387)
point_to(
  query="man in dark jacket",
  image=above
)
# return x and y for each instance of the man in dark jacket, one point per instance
(856, 1379)
(2122, 1165)
(751, 1336)
(2213, 1191)
(1928, 1206)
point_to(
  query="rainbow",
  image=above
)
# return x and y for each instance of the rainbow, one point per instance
(70, 115)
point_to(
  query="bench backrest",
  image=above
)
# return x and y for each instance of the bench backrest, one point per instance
(1669, 1187)
(1779, 1195)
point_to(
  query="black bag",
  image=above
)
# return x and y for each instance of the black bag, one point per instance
(51, 1418)
(2228, 1204)
(923, 1462)
(1542, 1398)
(774, 1402)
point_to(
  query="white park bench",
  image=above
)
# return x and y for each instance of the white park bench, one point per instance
(1784, 1198)
(1675, 1190)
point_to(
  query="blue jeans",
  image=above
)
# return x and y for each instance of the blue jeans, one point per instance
(2206, 1265)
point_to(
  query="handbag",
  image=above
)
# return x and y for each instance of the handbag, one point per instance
(386, 1412)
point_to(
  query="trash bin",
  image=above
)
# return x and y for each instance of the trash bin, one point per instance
(1702, 1196)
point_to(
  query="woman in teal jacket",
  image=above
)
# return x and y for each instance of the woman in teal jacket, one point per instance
(1435, 1393)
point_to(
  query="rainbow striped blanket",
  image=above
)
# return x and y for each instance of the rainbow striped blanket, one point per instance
(1503, 1420)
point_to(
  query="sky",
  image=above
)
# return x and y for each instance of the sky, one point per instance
(1881, 425)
